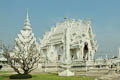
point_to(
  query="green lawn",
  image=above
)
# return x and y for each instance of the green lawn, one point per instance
(46, 76)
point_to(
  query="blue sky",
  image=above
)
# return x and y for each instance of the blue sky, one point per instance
(105, 16)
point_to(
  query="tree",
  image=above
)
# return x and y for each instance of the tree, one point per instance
(25, 56)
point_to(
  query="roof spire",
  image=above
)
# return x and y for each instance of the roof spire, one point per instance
(89, 21)
(27, 22)
(65, 18)
(27, 16)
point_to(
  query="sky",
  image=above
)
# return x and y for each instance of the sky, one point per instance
(104, 14)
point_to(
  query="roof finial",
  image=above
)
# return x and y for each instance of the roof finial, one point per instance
(27, 22)
(89, 21)
(27, 16)
(65, 18)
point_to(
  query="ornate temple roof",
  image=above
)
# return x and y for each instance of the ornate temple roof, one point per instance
(78, 29)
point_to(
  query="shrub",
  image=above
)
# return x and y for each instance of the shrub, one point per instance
(20, 76)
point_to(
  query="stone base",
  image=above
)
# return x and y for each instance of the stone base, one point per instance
(66, 73)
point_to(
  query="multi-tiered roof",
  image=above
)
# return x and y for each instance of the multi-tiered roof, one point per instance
(79, 32)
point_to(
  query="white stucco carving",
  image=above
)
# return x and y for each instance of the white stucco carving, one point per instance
(66, 73)
(52, 56)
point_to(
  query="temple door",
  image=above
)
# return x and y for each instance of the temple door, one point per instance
(59, 57)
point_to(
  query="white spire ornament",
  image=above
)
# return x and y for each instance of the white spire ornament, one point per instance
(27, 22)
(26, 48)
(26, 37)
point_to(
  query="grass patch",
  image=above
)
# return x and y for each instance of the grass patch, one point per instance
(48, 76)
(4, 77)
(3, 72)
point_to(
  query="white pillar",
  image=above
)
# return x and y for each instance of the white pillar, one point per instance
(67, 45)
(118, 52)
(67, 72)
(92, 54)
(88, 54)
(78, 53)
(82, 52)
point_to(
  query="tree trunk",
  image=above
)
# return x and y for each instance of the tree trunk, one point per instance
(16, 70)
(25, 71)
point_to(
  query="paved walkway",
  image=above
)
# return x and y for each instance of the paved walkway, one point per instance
(109, 76)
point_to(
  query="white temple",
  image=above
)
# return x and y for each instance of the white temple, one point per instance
(80, 44)
(69, 44)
